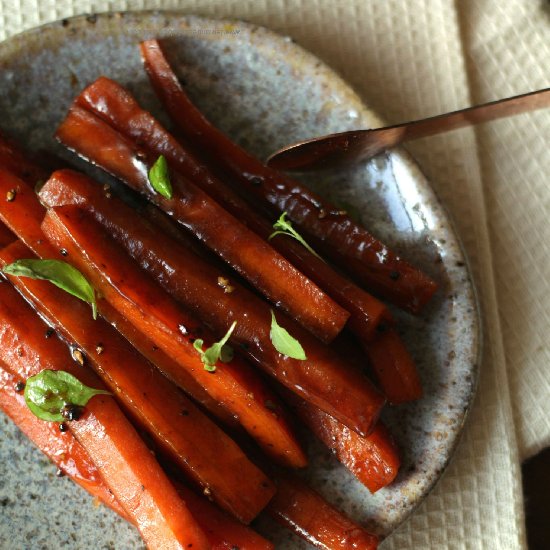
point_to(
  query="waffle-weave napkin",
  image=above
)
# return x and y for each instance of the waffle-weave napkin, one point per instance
(415, 59)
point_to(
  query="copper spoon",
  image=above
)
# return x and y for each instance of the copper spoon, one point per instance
(335, 150)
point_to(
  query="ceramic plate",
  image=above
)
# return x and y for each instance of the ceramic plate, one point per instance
(264, 91)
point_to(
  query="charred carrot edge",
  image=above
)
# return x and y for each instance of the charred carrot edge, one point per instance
(122, 459)
(222, 531)
(24, 215)
(255, 259)
(331, 229)
(324, 379)
(302, 510)
(373, 460)
(204, 453)
(116, 106)
(394, 367)
(60, 447)
(155, 313)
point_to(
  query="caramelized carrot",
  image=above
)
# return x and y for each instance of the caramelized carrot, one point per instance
(302, 510)
(241, 248)
(122, 459)
(324, 379)
(69, 456)
(223, 532)
(328, 228)
(60, 447)
(6, 236)
(116, 106)
(394, 368)
(203, 451)
(24, 216)
(153, 312)
(373, 460)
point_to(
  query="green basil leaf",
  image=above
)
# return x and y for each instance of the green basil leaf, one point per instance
(48, 392)
(61, 274)
(284, 227)
(218, 351)
(284, 343)
(159, 177)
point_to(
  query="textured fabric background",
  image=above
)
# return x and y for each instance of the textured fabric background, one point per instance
(415, 59)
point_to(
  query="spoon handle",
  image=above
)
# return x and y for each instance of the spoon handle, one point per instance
(475, 115)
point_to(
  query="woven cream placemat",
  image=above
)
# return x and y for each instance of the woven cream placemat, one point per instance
(415, 59)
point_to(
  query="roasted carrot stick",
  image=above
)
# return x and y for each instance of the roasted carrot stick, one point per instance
(6, 236)
(223, 532)
(203, 451)
(373, 460)
(394, 367)
(118, 278)
(60, 447)
(122, 459)
(71, 459)
(302, 510)
(330, 229)
(24, 215)
(324, 379)
(241, 248)
(117, 107)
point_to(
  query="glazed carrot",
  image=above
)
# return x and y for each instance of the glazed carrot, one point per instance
(373, 460)
(206, 455)
(71, 459)
(328, 228)
(223, 532)
(302, 510)
(153, 312)
(167, 365)
(116, 106)
(394, 368)
(60, 447)
(324, 378)
(241, 248)
(122, 459)
(6, 236)
(24, 216)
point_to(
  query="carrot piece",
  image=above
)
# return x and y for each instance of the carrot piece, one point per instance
(24, 216)
(69, 456)
(330, 229)
(223, 532)
(60, 447)
(373, 460)
(156, 314)
(202, 450)
(241, 248)
(302, 510)
(121, 457)
(324, 379)
(116, 106)
(394, 368)
(6, 236)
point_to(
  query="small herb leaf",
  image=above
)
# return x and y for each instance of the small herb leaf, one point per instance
(284, 227)
(59, 273)
(284, 343)
(159, 177)
(49, 392)
(219, 351)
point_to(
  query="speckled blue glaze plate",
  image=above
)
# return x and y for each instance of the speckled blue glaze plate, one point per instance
(264, 91)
